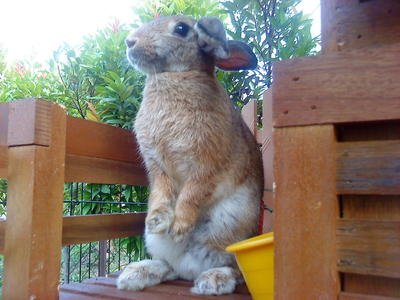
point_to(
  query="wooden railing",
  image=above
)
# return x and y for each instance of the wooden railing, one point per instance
(40, 149)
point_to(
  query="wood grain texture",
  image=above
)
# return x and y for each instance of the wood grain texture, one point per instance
(371, 207)
(306, 213)
(371, 167)
(372, 285)
(92, 139)
(264, 138)
(91, 228)
(338, 87)
(105, 288)
(369, 247)
(267, 148)
(352, 296)
(36, 126)
(107, 171)
(249, 115)
(353, 24)
(374, 131)
(4, 110)
(3, 161)
(34, 213)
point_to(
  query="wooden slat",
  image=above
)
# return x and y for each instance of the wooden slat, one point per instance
(85, 229)
(249, 114)
(4, 111)
(34, 210)
(369, 247)
(350, 86)
(97, 170)
(172, 288)
(371, 285)
(379, 207)
(72, 296)
(306, 213)
(158, 292)
(3, 161)
(369, 167)
(92, 139)
(267, 148)
(111, 281)
(354, 24)
(352, 296)
(92, 228)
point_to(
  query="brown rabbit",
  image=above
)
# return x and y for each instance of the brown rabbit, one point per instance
(204, 165)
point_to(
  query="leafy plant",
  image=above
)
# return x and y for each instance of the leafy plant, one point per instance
(194, 8)
(274, 30)
(99, 74)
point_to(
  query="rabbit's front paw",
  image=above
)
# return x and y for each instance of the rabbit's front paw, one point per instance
(180, 228)
(159, 220)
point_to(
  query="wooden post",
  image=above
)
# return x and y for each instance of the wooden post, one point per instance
(36, 158)
(306, 213)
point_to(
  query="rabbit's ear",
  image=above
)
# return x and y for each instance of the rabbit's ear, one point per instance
(229, 55)
(241, 57)
(212, 37)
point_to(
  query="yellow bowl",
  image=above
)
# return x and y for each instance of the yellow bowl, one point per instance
(255, 257)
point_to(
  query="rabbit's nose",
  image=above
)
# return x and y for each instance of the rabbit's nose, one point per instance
(130, 42)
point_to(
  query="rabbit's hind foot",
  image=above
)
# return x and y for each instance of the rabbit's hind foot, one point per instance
(216, 281)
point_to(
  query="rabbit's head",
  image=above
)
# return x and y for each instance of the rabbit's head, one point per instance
(180, 43)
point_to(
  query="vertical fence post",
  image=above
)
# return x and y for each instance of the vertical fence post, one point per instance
(36, 159)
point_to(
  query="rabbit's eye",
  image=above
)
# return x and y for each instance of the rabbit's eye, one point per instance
(181, 29)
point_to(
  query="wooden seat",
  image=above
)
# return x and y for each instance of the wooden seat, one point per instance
(105, 288)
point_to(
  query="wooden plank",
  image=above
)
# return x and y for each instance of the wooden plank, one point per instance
(306, 213)
(4, 111)
(91, 228)
(267, 148)
(371, 285)
(352, 296)
(374, 131)
(3, 161)
(338, 88)
(368, 167)
(169, 286)
(34, 213)
(249, 115)
(379, 207)
(72, 296)
(97, 170)
(36, 126)
(151, 293)
(92, 139)
(369, 23)
(369, 247)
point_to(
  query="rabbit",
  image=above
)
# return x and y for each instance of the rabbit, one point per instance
(203, 163)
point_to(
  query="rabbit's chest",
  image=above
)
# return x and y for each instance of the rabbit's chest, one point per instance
(168, 140)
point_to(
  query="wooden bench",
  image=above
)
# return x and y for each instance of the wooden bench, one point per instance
(40, 149)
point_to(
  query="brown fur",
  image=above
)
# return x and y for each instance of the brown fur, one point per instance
(190, 135)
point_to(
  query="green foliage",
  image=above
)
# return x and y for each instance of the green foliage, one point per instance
(193, 8)
(275, 31)
(99, 73)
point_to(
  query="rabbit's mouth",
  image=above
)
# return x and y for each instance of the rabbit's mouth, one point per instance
(145, 62)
